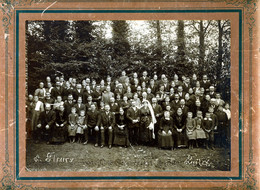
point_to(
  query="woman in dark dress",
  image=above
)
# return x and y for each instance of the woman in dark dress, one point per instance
(59, 132)
(165, 133)
(121, 132)
(179, 132)
(145, 121)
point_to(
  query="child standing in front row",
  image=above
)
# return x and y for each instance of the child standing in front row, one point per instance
(190, 130)
(200, 133)
(73, 116)
(208, 127)
(81, 122)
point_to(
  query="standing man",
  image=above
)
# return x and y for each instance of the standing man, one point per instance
(92, 118)
(133, 115)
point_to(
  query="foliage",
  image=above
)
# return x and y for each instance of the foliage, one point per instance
(96, 49)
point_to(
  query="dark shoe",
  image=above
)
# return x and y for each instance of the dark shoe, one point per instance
(96, 145)
(102, 146)
(110, 146)
(86, 142)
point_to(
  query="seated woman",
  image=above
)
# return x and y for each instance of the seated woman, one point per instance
(59, 132)
(121, 132)
(165, 133)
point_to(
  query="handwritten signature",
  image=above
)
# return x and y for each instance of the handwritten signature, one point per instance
(52, 157)
(197, 162)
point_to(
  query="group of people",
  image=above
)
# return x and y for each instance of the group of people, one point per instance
(168, 112)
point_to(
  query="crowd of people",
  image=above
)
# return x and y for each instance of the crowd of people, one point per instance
(167, 112)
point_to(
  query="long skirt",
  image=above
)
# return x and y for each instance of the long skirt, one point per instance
(145, 133)
(200, 133)
(121, 137)
(180, 138)
(72, 130)
(165, 141)
(59, 134)
(191, 135)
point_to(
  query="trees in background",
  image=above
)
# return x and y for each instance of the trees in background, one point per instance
(95, 49)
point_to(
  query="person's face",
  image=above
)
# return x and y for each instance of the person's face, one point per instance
(123, 73)
(93, 82)
(108, 79)
(166, 114)
(41, 85)
(59, 99)
(207, 97)
(179, 111)
(79, 100)
(121, 111)
(101, 104)
(67, 84)
(107, 108)
(205, 77)
(125, 98)
(30, 97)
(211, 89)
(93, 107)
(78, 87)
(179, 89)
(48, 84)
(61, 79)
(48, 79)
(217, 96)
(135, 96)
(58, 84)
(143, 84)
(112, 100)
(210, 110)
(207, 115)
(182, 102)
(48, 95)
(61, 108)
(171, 90)
(189, 115)
(199, 114)
(194, 77)
(133, 104)
(82, 113)
(70, 98)
(155, 77)
(197, 103)
(190, 91)
(87, 80)
(135, 75)
(89, 98)
(149, 90)
(167, 99)
(197, 84)
(73, 111)
(168, 108)
(98, 88)
(176, 97)
(175, 77)
(139, 88)
(154, 100)
(227, 106)
(187, 97)
(136, 81)
(48, 108)
(145, 104)
(108, 89)
(144, 94)
(102, 82)
(144, 73)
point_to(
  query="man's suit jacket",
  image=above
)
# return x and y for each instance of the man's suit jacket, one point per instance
(131, 115)
(106, 120)
(92, 118)
(80, 107)
(47, 118)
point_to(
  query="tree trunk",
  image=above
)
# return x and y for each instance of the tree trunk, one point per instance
(159, 38)
(202, 45)
(220, 50)
(180, 42)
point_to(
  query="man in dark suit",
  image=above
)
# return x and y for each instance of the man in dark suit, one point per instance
(57, 90)
(45, 124)
(205, 83)
(80, 106)
(144, 78)
(78, 92)
(133, 116)
(92, 118)
(106, 123)
(69, 104)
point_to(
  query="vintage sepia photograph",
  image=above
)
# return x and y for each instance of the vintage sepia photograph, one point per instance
(128, 95)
